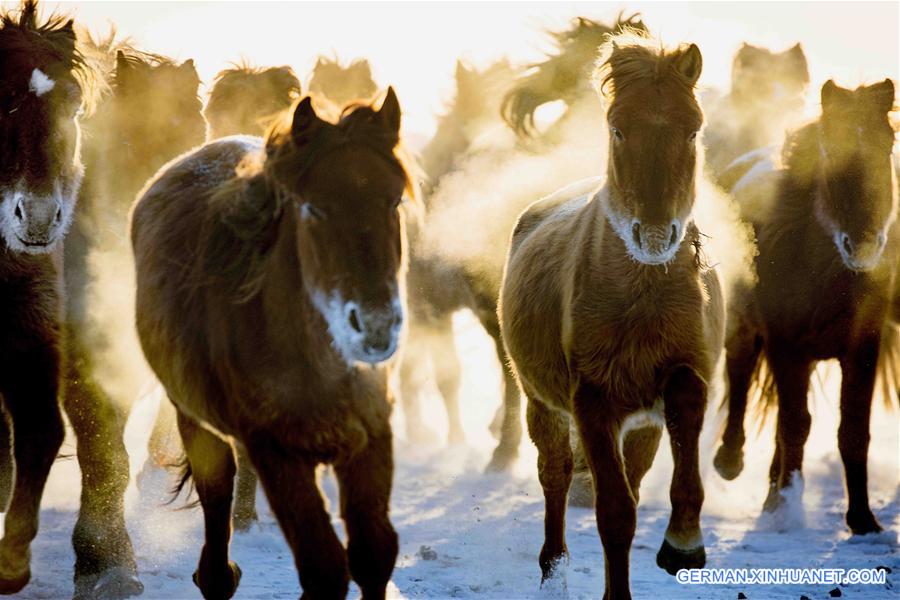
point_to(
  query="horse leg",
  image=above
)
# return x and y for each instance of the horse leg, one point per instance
(549, 430)
(211, 460)
(741, 356)
(412, 381)
(245, 496)
(30, 393)
(615, 507)
(791, 372)
(858, 372)
(365, 484)
(684, 399)
(638, 450)
(104, 558)
(290, 485)
(447, 370)
(7, 470)
(165, 432)
(581, 492)
(507, 449)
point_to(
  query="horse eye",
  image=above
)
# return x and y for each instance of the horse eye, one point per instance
(618, 134)
(396, 202)
(692, 137)
(310, 211)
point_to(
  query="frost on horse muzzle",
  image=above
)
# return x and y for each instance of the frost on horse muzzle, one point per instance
(33, 223)
(361, 332)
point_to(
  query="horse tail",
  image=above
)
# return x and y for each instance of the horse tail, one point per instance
(763, 393)
(184, 480)
(888, 374)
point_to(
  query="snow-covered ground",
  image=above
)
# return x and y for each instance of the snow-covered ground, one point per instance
(469, 535)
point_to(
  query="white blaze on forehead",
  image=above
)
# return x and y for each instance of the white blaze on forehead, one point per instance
(40, 84)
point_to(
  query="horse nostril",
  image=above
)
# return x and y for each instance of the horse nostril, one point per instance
(636, 234)
(59, 215)
(18, 212)
(674, 237)
(847, 244)
(354, 321)
(882, 240)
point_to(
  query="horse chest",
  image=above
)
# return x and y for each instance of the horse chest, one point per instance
(628, 336)
(821, 310)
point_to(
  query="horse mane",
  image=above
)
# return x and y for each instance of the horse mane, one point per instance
(560, 77)
(227, 82)
(241, 223)
(50, 38)
(633, 57)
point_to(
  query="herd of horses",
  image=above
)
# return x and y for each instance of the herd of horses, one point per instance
(281, 247)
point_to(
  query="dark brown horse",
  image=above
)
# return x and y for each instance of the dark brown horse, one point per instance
(42, 84)
(612, 320)
(766, 98)
(266, 302)
(244, 98)
(150, 114)
(828, 247)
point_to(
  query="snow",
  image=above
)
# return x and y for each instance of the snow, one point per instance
(464, 534)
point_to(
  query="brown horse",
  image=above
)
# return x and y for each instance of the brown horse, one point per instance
(612, 320)
(42, 85)
(266, 301)
(244, 99)
(562, 76)
(339, 85)
(766, 98)
(150, 114)
(440, 288)
(828, 247)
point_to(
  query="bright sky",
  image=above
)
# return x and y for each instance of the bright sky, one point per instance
(414, 46)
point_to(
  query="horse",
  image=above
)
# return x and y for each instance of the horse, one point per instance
(336, 85)
(562, 76)
(270, 292)
(441, 288)
(613, 320)
(766, 98)
(244, 98)
(828, 240)
(44, 86)
(150, 114)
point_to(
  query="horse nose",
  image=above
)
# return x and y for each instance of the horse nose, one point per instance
(654, 239)
(379, 328)
(862, 254)
(847, 243)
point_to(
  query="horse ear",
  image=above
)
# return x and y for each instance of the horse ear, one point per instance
(69, 28)
(188, 64)
(390, 111)
(305, 122)
(122, 65)
(461, 71)
(832, 95)
(690, 63)
(882, 95)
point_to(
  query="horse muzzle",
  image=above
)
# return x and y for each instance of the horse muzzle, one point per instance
(861, 255)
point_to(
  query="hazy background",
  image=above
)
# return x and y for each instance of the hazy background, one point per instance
(414, 46)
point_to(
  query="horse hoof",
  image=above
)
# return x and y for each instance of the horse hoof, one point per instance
(581, 492)
(219, 590)
(114, 583)
(501, 461)
(13, 584)
(863, 523)
(728, 463)
(672, 560)
(774, 499)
